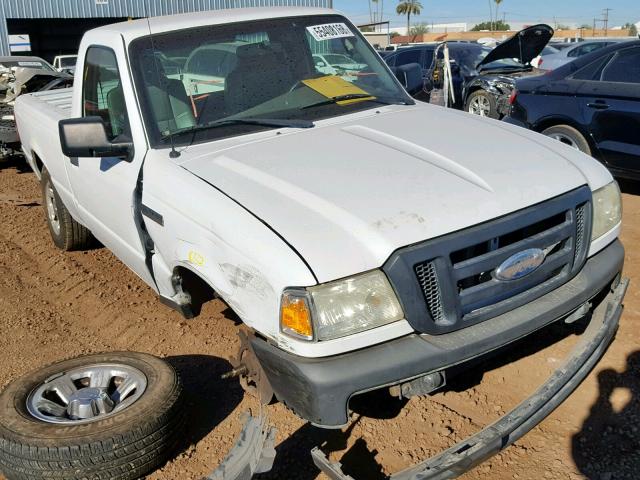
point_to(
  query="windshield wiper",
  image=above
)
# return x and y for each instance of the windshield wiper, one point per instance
(267, 122)
(351, 96)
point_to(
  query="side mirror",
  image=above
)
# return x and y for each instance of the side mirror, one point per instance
(410, 76)
(87, 137)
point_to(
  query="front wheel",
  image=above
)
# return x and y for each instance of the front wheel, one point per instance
(569, 136)
(482, 103)
(117, 416)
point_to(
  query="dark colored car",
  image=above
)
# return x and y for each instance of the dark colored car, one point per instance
(592, 104)
(483, 78)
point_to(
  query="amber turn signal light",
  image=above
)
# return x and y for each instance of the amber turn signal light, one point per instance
(295, 316)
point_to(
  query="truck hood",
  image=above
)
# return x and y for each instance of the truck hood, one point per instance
(347, 193)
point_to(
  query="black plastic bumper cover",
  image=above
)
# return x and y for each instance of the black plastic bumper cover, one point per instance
(509, 428)
(319, 389)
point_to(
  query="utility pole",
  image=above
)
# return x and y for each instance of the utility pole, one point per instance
(605, 20)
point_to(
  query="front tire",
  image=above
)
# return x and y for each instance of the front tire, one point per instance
(482, 103)
(66, 233)
(106, 416)
(569, 136)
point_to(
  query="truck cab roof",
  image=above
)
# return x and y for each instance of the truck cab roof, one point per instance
(131, 30)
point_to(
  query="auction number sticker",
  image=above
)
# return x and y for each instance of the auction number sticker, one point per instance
(329, 31)
(30, 64)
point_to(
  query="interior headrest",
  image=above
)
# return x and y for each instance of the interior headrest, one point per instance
(256, 50)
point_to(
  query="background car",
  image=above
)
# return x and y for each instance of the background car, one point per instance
(548, 50)
(25, 62)
(65, 63)
(334, 63)
(591, 104)
(551, 61)
(483, 77)
(20, 75)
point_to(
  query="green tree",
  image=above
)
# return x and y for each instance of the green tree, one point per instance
(585, 26)
(419, 29)
(633, 30)
(499, 26)
(408, 8)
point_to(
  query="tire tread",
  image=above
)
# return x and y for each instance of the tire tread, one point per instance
(73, 235)
(145, 446)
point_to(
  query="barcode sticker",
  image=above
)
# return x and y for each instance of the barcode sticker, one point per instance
(329, 31)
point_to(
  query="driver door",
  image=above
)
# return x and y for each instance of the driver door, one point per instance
(105, 189)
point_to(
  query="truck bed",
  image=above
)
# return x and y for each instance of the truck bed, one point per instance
(37, 116)
(54, 102)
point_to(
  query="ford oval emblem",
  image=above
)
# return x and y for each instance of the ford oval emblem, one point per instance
(520, 264)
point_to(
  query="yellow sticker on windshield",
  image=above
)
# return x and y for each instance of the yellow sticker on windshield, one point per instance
(332, 86)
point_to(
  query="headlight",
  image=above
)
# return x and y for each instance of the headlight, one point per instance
(607, 209)
(340, 308)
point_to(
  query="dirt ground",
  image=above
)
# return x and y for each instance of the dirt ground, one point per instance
(57, 305)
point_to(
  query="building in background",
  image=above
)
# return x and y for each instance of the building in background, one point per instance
(47, 28)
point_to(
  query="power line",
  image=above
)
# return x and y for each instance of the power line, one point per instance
(605, 19)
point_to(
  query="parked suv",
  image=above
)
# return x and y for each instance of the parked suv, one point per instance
(592, 104)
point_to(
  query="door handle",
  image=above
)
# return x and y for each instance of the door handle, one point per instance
(598, 105)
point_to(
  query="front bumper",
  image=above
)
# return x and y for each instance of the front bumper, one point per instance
(470, 452)
(319, 389)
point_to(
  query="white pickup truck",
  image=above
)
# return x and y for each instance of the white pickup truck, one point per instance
(366, 240)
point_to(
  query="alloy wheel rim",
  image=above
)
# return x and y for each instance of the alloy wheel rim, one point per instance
(52, 209)
(480, 106)
(561, 137)
(86, 394)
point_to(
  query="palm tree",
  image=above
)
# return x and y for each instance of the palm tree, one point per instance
(490, 16)
(408, 8)
(376, 10)
(498, 2)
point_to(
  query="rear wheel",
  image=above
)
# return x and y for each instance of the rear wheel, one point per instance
(66, 233)
(482, 103)
(569, 136)
(107, 416)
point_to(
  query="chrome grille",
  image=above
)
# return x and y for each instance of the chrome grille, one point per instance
(449, 282)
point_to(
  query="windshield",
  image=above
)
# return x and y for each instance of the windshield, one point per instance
(302, 68)
(41, 64)
(68, 61)
(468, 56)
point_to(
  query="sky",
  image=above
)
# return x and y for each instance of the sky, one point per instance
(567, 12)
